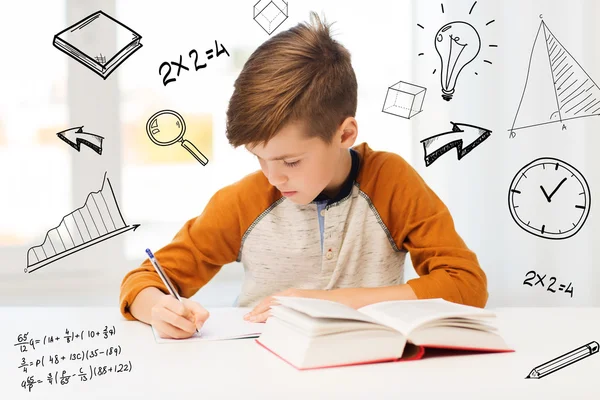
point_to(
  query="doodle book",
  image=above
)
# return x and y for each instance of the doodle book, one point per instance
(313, 333)
(86, 41)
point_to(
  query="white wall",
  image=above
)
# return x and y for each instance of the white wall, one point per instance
(41, 183)
(476, 188)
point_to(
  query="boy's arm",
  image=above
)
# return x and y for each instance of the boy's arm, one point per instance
(194, 256)
(446, 266)
(421, 224)
(141, 307)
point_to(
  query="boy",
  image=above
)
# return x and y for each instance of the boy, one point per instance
(323, 219)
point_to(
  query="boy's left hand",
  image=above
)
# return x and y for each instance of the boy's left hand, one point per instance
(262, 311)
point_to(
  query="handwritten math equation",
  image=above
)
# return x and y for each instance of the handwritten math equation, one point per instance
(83, 355)
(101, 357)
(539, 280)
(23, 342)
(83, 374)
(169, 66)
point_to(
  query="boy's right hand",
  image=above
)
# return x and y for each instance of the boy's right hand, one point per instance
(173, 319)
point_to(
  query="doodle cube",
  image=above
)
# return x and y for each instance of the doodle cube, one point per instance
(269, 14)
(404, 99)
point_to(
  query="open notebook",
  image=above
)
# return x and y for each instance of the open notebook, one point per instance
(224, 323)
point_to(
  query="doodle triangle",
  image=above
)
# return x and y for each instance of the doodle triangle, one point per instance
(557, 88)
(577, 94)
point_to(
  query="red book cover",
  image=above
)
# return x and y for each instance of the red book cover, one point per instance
(420, 353)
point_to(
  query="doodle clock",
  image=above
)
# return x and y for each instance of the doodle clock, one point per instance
(549, 198)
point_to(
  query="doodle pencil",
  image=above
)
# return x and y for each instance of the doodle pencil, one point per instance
(563, 361)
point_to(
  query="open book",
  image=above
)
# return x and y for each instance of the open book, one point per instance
(312, 333)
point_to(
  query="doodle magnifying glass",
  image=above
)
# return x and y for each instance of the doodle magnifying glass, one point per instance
(167, 127)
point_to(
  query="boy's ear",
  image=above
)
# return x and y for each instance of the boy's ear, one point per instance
(349, 130)
(349, 124)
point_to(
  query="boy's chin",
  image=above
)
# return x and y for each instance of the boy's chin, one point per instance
(299, 200)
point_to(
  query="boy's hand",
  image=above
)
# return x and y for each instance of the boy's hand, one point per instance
(173, 319)
(262, 311)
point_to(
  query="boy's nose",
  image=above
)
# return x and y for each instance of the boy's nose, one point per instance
(277, 181)
(275, 178)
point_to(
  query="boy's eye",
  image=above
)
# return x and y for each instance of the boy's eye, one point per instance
(292, 164)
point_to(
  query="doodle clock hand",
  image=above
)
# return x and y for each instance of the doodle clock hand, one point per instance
(554, 191)
(545, 194)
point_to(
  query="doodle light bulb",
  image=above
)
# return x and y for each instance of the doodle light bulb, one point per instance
(457, 44)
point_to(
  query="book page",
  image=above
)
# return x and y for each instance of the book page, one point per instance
(318, 308)
(310, 326)
(406, 315)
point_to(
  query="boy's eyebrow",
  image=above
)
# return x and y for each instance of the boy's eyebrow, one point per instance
(279, 157)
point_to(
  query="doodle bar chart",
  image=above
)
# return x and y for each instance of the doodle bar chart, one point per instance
(97, 220)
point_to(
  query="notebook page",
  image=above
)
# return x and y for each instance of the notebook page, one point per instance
(405, 315)
(223, 323)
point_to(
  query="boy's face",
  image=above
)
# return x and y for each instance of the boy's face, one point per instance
(302, 167)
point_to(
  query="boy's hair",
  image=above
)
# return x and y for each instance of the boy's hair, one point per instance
(301, 74)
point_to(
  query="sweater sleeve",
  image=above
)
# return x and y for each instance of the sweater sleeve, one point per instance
(447, 268)
(197, 252)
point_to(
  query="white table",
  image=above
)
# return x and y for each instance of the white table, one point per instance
(241, 369)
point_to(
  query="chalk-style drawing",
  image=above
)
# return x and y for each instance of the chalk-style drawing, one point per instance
(167, 127)
(569, 358)
(457, 44)
(464, 137)
(549, 199)
(180, 65)
(75, 137)
(552, 279)
(269, 14)
(97, 220)
(557, 88)
(76, 373)
(404, 100)
(84, 42)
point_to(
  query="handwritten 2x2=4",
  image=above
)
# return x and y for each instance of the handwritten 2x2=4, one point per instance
(540, 280)
(192, 54)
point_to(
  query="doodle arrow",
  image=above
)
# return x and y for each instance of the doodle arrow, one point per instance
(76, 136)
(460, 135)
